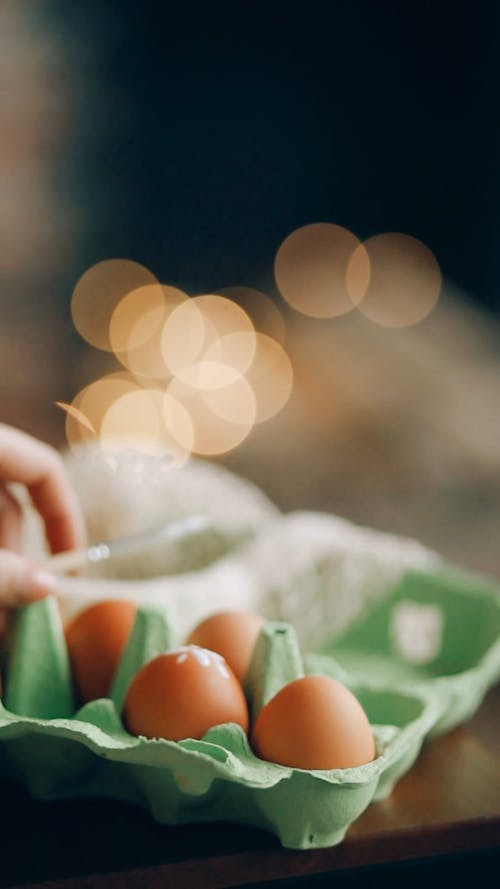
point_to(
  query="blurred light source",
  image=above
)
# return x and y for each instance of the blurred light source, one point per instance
(271, 377)
(235, 350)
(98, 292)
(204, 323)
(213, 432)
(184, 335)
(208, 375)
(263, 312)
(199, 376)
(179, 427)
(235, 402)
(310, 269)
(150, 421)
(132, 421)
(394, 279)
(136, 318)
(136, 328)
(92, 402)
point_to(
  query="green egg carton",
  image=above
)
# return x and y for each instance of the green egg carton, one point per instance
(59, 753)
(437, 632)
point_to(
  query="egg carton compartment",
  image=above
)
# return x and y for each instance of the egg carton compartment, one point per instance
(437, 631)
(59, 753)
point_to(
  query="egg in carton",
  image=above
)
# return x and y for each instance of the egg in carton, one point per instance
(57, 752)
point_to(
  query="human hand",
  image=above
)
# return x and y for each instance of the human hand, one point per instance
(40, 468)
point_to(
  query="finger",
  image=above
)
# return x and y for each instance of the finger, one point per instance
(40, 468)
(21, 581)
(11, 521)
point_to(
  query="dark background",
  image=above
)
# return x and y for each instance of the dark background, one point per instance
(201, 138)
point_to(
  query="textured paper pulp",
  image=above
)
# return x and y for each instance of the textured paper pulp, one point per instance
(90, 751)
(417, 642)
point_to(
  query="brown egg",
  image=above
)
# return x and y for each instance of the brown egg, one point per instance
(314, 723)
(182, 693)
(96, 638)
(232, 634)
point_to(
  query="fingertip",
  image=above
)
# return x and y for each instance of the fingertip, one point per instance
(22, 581)
(40, 583)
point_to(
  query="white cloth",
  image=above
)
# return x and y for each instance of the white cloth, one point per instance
(313, 570)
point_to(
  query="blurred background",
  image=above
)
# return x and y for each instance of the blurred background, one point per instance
(195, 142)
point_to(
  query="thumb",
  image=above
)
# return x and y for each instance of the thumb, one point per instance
(21, 581)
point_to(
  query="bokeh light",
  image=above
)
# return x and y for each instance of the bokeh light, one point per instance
(395, 279)
(235, 402)
(262, 311)
(208, 323)
(92, 402)
(149, 421)
(208, 375)
(132, 421)
(178, 426)
(214, 433)
(271, 377)
(200, 371)
(184, 336)
(98, 292)
(136, 328)
(234, 350)
(310, 269)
